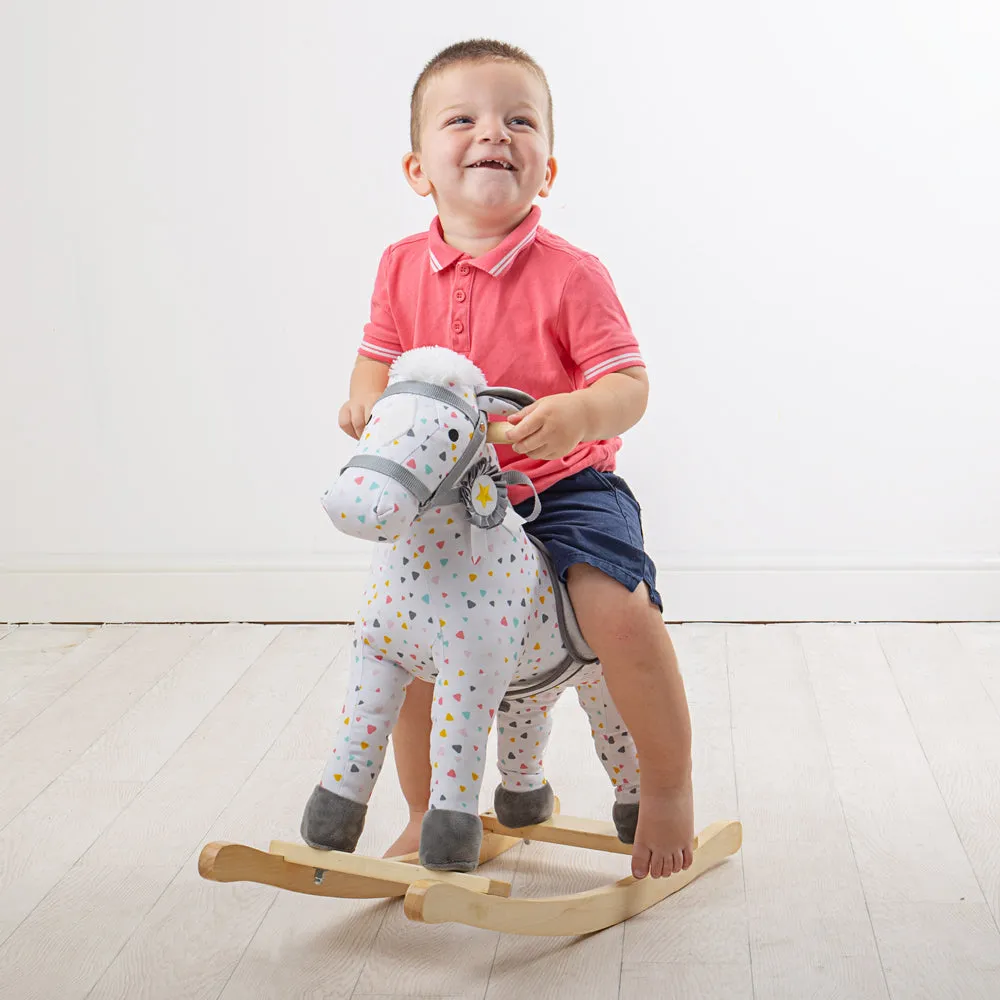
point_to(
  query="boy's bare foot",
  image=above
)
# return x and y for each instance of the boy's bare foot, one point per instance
(408, 842)
(664, 837)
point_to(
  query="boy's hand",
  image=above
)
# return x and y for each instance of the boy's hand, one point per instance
(355, 412)
(550, 428)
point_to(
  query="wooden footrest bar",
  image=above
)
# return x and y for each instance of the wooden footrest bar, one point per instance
(397, 873)
(569, 830)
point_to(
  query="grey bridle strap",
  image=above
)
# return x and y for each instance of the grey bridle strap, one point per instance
(448, 484)
(402, 475)
(521, 479)
(437, 392)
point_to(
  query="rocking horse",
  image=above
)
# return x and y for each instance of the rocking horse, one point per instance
(461, 596)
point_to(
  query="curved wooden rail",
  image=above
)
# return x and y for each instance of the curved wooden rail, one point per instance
(578, 913)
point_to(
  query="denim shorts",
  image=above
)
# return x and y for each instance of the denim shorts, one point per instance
(592, 517)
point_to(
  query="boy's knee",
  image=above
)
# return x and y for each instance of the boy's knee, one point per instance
(609, 614)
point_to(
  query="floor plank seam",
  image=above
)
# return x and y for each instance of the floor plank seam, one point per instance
(843, 812)
(10, 933)
(152, 778)
(204, 836)
(496, 949)
(135, 930)
(129, 804)
(340, 651)
(250, 940)
(969, 654)
(386, 910)
(63, 694)
(31, 677)
(208, 831)
(104, 731)
(736, 789)
(937, 785)
(82, 855)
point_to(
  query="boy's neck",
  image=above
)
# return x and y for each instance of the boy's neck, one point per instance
(477, 237)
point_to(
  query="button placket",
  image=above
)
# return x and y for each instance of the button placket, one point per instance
(460, 307)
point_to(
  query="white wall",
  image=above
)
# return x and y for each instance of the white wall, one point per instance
(798, 201)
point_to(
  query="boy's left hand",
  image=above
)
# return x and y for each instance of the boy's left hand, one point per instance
(549, 428)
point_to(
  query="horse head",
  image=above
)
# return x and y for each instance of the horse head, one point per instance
(425, 445)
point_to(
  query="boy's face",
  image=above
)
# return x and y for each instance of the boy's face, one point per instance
(484, 148)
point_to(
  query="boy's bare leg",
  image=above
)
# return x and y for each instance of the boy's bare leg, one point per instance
(411, 747)
(626, 631)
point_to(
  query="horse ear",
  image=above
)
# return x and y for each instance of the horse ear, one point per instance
(500, 401)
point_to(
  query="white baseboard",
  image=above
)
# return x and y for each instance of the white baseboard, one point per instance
(330, 590)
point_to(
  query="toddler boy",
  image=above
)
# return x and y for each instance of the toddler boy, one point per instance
(538, 314)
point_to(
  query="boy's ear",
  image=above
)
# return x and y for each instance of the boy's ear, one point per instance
(499, 401)
(551, 169)
(415, 175)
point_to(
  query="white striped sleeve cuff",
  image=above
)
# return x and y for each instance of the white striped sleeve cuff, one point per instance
(378, 353)
(619, 361)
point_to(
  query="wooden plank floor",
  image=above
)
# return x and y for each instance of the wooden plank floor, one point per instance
(863, 761)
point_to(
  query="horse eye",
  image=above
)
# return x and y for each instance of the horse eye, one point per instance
(453, 434)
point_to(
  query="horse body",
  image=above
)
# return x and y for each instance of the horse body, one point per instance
(437, 595)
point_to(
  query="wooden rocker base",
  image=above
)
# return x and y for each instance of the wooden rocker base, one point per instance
(434, 897)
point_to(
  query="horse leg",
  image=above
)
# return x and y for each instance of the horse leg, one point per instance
(465, 701)
(616, 749)
(523, 797)
(335, 813)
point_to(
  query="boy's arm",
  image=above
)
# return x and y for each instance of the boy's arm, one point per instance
(613, 403)
(379, 347)
(368, 382)
(555, 425)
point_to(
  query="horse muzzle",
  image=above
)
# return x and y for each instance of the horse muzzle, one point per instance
(369, 505)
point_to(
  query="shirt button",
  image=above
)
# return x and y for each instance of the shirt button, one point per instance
(458, 326)
(463, 268)
(460, 296)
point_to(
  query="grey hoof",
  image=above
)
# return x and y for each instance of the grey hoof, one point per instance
(331, 822)
(517, 809)
(450, 840)
(626, 817)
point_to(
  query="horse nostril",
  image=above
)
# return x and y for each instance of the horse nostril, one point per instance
(453, 435)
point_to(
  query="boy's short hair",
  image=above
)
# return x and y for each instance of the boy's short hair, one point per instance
(477, 50)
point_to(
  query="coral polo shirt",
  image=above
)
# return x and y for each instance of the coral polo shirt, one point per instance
(535, 313)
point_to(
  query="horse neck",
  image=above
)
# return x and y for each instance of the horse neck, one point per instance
(443, 524)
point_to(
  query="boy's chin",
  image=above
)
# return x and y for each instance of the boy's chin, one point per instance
(486, 206)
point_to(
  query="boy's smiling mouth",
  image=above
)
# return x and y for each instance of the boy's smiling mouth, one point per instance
(491, 163)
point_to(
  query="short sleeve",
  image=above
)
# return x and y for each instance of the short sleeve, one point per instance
(593, 325)
(381, 339)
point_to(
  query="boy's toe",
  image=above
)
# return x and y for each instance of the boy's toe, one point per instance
(688, 858)
(656, 865)
(641, 857)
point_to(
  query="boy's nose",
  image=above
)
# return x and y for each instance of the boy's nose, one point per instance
(494, 132)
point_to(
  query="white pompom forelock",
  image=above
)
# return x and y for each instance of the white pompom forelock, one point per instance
(436, 366)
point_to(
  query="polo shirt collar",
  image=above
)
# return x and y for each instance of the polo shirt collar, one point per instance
(442, 255)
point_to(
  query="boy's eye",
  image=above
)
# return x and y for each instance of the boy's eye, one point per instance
(522, 121)
(459, 119)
